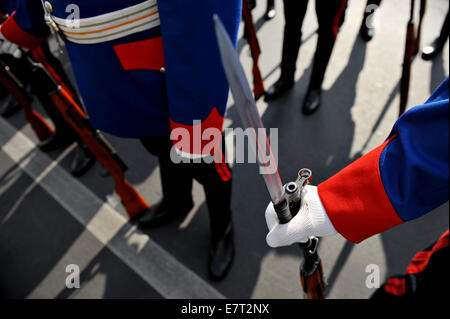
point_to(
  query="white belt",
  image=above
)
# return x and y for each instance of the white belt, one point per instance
(113, 25)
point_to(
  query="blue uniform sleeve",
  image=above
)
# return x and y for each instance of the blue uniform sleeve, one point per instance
(26, 26)
(402, 179)
(415, 165)
(30, 17)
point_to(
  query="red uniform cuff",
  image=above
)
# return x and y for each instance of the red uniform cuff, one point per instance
(203, 139)
(355, 199)
(199, 138)
(15, 34)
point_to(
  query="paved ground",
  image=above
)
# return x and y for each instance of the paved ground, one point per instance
(49, 219)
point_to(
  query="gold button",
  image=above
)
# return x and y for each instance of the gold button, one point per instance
(48, 7)
(162, 70)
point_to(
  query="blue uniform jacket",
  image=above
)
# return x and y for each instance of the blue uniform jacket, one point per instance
(142, 67)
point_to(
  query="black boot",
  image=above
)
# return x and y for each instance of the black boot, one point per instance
(291, 45)
(10, 107)
(278, 89)
(82, 162)
(366, 33)
(221, 254)
(312, 101)
(251, 4)
(54, 142)
(433, 49)
(270, 11)
(160, 214)
(288, 65)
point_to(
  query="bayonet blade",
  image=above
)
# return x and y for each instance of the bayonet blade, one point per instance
(246, 106)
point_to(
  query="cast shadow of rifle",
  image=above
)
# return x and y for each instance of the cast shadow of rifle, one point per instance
(107, 277)
(438, 73)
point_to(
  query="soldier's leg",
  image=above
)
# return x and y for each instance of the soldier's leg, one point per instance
(329, 16)
(373, 2)
(294, 14)
(23, 71)
(445, 31)
(176, 182)
(216, 180)
(61, 125)
(251, 4)
(218, 197)
(10, 105)
(64, 134)
(426, 276)
(433, 49)
(270, 10)
(367, 30)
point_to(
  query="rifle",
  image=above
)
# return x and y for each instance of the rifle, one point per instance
(286, 199)
(258, 83)
(311, 271)
(63, 99)
(17, 89)
(411, 48)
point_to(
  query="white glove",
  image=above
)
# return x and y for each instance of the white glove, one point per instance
(311, 220)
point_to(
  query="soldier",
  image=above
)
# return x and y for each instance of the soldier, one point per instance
(146, 69)
(404, 178)
(330, 15)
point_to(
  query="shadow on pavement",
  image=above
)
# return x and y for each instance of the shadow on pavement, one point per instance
(437, 72)
(333, 129)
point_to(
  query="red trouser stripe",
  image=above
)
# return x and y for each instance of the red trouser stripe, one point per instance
(338, 17)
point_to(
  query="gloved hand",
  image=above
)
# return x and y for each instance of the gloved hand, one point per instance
(311, 220)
